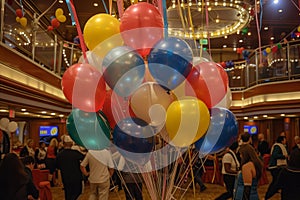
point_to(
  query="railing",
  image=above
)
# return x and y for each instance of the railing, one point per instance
(50, 51)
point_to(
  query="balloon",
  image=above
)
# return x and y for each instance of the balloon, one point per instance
(170, 61)
(268, 50)
(124, 70)
(61, 18)
(4, 123)
(222, 131)
(150, 102)
(226, 101)
(84, 87)
(187, 121)
(93, 60)
(19, 13)
(98, 28)
(23, 21)
(141, 27)
(55, 23)
(115, 108)
(12, 126)
(59, 12)
(209, 82)
(88, 129)
(134, 139)
(50, 28)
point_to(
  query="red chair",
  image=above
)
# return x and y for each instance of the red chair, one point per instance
(212, 174)
(41, 181)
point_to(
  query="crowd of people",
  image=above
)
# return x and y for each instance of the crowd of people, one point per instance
(242, 167)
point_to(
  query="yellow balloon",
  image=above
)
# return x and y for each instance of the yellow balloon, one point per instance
(99, 28)
(17, 19)
(298, 29)
(187, 121)
(268, 50)
(23, 21)
(61, 18)
(59, 12)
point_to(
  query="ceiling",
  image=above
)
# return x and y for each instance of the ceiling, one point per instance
(281, 19)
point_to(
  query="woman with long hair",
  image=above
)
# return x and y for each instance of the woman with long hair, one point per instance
(247, 181)
(13, 178)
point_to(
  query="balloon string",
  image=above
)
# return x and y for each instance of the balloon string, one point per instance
(181, 16)
(165, 17)
(46, 10)
(71, 12)
(22, 7)
(192, 27)
(104, 5)
(261, 14)
(110, 6)
(80, 35)
(120, 5)
(207, 26)
(258, 34)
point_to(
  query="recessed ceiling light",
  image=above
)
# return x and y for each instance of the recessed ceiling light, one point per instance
(265, 115)
(271, 38)
(23, 109)
(276, 1)
(282, 115)
(280, 10)
(225, 36)
(234, 49)
(266, 28)
(61, 1)
(3, 110)
(44, 112)
(224, 46)
(61, 115)
(95, 4)
(255, 117)
(245, 117)
(249, 33)
(52, 113)
(26, 113)
(240, 41)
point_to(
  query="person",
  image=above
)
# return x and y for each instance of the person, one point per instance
(28, 149)
(263, 145)
(297, 142)
(40, 154)
(288, 179)
(51, 159)
(101, 169)
(198, 171)
(68, 162)
(32, 191)
(13, 178)
(230, 169)
(247, 180)
(278, 160)
(133, 182)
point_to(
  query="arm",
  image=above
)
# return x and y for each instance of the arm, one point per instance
(84, 171)
(248, 174)
(227, 167)
(111, 171)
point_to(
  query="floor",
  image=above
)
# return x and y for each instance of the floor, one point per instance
(212, 191)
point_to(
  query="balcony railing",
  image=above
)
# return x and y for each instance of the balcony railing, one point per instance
(49, 50)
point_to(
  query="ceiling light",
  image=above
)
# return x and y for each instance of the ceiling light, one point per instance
(266, 28)
(3, 110)
(249, 33)
(272, 38)
(23, 109)
(95, 4)
(224, 46)
(44, 112)
(217, 20)
(225, 36)
(282, 115)
(61, 115)
(234, 49)
(26, 113)
(245, 117)
(255, 117)
(240, 41)
(280, 10)
(265, 115)
(52, 113)
(275, 1)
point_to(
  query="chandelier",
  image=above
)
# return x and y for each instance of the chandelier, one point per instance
(203, 19)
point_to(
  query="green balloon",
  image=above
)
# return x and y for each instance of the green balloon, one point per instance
(88, 129)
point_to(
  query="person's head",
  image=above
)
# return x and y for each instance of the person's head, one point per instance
(68, 142)
(281, 139)
(248, 154)
(53, 142)
(282, 134)
(11, 166)
(42, 144)
(297, 139)
(28, 161)
(261, 137)
(294, 161)
(234, 146)
(30, 143)
(246, 138)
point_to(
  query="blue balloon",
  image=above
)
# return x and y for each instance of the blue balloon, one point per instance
(221, 133)
(170, 62)
(88, 129)
(134, 139)
(124, 70)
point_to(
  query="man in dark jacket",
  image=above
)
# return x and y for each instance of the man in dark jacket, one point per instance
(32, 191)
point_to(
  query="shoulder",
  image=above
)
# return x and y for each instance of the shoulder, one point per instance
(227, 158)
(248, 166)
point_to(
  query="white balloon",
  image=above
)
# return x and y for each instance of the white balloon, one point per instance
(12, 126)
(93, 59)
(4, 123)
(226, 101)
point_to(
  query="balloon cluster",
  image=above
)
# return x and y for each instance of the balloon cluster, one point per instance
(20, 17)
(8, 126)
(146, 87)
(57, 19)
(272, 49)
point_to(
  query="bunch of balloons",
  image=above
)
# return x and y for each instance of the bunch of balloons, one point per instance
(8, 126)
(20, 17)
(57, 19)
(141, 84)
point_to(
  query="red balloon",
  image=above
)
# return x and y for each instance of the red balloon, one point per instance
(50, 28)
(84, 87)
(55, 23)
(208, 82)
(141, 27)
(116, 108)
(19, 13)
